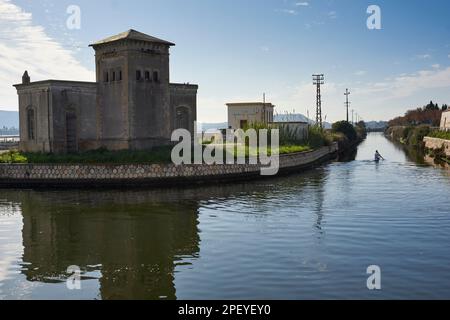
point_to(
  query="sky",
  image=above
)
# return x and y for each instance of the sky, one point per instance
(236, 50)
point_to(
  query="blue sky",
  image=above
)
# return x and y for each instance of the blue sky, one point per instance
(237, 49)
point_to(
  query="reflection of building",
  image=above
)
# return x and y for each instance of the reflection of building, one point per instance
(133, 239)
(241, 115)
(132, 104)
(445, 122)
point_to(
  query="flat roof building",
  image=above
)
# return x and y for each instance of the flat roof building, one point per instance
(243, 114)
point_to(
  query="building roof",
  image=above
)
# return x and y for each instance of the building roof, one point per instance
(132, 35)
(240, 104)
(56, 82)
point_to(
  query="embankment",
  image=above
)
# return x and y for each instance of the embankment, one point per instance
(146, 175)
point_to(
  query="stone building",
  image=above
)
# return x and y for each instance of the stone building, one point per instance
(243, 114)
(445, 122)
(131, 106)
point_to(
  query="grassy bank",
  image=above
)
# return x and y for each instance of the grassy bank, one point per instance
(440, 134)
(347, 135)
(158, 155)
(411, 136)
(289, 143)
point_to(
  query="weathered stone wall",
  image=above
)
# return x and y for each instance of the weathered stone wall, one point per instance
(435, 143)
(51, 101)
(106, 174)
(183, 97)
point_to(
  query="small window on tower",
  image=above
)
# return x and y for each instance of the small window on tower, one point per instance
(156, 76)
(138, 75)
(147, 76)
(113, 76)
(106, 77)
(120, 75)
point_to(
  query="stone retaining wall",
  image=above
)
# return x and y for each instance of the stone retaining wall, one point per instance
(435, 143)
(70, 175)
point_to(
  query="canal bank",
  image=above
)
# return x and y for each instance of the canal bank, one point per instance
(150, 175)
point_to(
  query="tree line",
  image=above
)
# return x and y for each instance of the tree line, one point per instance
(430, 114)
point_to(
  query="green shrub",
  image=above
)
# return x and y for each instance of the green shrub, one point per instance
(12, 157)
(346, 128)
(416, 135)
(316, 137)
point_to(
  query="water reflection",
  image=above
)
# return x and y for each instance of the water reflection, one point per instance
(131, 243)
(132, 239)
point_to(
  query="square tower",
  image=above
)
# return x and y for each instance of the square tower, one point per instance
(133, 102)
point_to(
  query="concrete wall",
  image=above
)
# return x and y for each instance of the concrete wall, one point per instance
(445, 122)
(250, 112)
(435, 143)
(145, 174)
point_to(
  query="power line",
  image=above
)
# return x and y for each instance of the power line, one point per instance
(347, 103)
(318, 80)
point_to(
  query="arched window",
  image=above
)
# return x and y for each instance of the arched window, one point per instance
(182, 118)
(156, 76)
(31, 124)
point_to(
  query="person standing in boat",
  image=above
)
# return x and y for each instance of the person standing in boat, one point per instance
(378, 156)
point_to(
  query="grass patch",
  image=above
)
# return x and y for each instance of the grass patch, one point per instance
(440, 134)
(157, 155)
(294, 149)
(160, 155)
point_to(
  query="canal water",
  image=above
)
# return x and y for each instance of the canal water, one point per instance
(306, 236)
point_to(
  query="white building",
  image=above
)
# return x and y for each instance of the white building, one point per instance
(445, 121)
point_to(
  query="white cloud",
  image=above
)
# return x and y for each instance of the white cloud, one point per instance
(360, 72)
(25, 46)
(332, 14)
(423, 56)
(302, 4)
(288, 11)
(406, 85)
(436, 66)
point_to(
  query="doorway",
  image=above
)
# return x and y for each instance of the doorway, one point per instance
(71, 132)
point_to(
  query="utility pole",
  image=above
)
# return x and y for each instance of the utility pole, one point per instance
(353, 112)
(347, 103)
(264, 107)
(318, 80)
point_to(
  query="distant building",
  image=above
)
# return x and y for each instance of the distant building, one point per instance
(244, 114)
(445, 121)
(131, 106)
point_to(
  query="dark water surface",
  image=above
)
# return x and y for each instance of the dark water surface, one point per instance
(311, 235)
